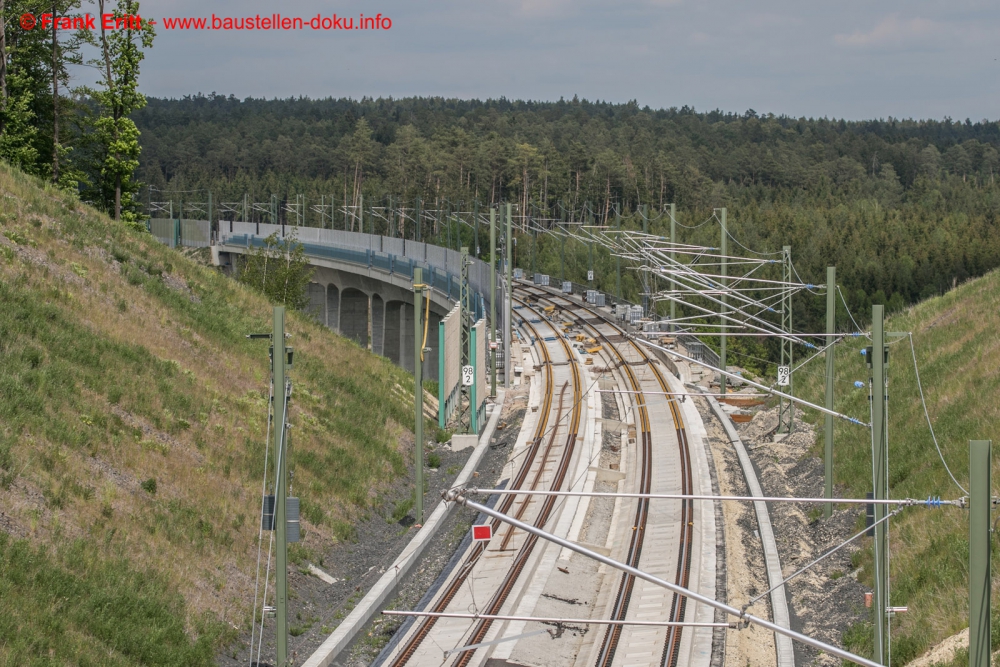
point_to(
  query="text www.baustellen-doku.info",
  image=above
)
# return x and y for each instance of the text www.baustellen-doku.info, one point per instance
(275, 21)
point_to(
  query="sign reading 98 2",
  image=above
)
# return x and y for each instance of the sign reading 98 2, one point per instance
(468, 375)
(784, 376)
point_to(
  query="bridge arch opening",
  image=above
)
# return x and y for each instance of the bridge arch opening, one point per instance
(354, 315)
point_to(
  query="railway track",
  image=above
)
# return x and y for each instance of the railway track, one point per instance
(613, 634)
(532, 462)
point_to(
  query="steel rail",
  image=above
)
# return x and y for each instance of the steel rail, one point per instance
(454, 496)
(520, 561)
(479, 548)
(678, 604)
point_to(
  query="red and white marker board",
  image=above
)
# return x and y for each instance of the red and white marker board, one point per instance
(482, 533)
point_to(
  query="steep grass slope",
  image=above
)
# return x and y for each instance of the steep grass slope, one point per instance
(132, 429)
(958, 353)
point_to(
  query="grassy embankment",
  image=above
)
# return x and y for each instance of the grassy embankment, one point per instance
(132, 430)
(958, 352)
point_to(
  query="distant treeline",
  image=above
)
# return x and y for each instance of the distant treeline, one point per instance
(903, 208)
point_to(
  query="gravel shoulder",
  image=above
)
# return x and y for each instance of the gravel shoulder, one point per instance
(317, 607)
(825, 600)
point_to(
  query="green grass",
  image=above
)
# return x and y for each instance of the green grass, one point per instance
(133, 413)
(958, 352)
(402, 509)
(80, 605)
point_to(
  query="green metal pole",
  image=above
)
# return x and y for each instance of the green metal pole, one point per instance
(880, 478)
(465, 314)
(725, 298)
(280, 519)
(831, 327)
(475, 227)
(441, 396)
(510, 298)
(493, 300)
(210, 210)
(980, 538)
(473, 405)
(463, 299)
(673, 258)
(418, 394)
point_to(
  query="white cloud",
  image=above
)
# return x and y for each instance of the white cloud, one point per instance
(890, 31)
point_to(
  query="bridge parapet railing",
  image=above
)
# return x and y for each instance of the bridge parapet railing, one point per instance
(442, 266)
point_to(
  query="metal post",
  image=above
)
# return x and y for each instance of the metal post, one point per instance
(465, 344)
(880, 479)
(508, 323)
(441, 396)
(463, 299)
(725, 270)
(246, 208)
(562, 257)
(980, 538)
(417, 224)
(475, 227)
(473, 405)
(493, 301)
(673, 285)
(210, 211)
(618, 260)
(590, 255)
(831, 326)
(786, 411)
(418, 394)
(645, 276)
(278, 360)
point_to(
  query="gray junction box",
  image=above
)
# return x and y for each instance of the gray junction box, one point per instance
(292, 529)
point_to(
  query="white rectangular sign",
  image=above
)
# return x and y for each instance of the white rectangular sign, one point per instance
(590, 276)
(467, 376)
(784, 375)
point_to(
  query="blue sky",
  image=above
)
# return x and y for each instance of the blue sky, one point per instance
(845, 59)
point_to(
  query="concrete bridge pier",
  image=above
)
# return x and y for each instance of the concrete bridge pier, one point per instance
(376, 316)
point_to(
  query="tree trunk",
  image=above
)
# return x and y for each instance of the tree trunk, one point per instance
(55, 98)
(3, 63)
(114, 110)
